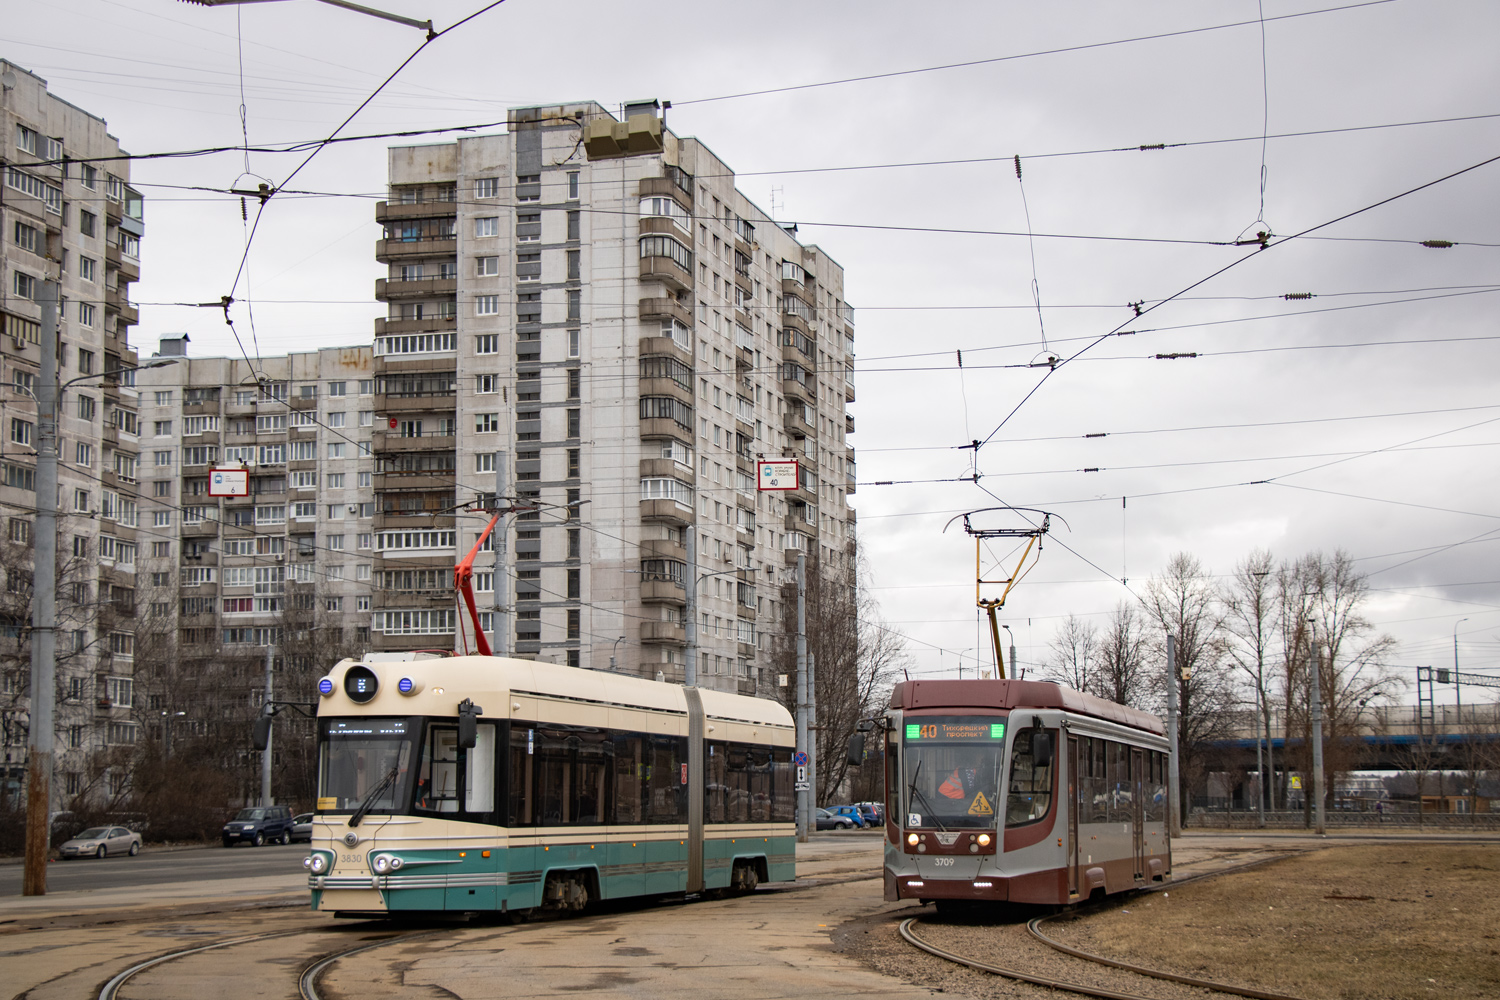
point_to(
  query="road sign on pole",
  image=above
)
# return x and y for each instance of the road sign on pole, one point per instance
(228, 482)
(778, 475)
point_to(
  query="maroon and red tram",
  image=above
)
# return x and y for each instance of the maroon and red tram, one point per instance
(1021, 791)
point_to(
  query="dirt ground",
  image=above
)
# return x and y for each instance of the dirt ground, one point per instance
(1389, 921)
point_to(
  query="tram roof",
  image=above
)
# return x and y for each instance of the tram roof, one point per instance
(476, 676)
(1015, 695)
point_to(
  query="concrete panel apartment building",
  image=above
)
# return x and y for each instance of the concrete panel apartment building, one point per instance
(68, 214)
(592, 304)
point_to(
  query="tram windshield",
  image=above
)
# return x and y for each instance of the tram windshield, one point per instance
(365, 756)
(952, 770)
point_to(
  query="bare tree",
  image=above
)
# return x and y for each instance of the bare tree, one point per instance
(1120, 672)
(1183, 603)
(1250, 619)
(1072, 652)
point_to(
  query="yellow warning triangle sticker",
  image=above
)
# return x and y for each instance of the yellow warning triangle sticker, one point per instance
(980, 806)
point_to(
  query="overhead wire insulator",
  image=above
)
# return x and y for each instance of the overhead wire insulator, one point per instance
(1296, 296)
(1438, 244)
(1176, 354)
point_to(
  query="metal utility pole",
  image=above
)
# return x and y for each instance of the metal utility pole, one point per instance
(501, 581)
(804, 800)
(265, 755)
(1458, 688)
(43, 726)
(690, 610)
(1175, 809)
(812, 733)
(1260, 763)
(1317, 736)
(1014, 673)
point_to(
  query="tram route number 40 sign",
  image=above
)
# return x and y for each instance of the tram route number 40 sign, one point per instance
(776, 475)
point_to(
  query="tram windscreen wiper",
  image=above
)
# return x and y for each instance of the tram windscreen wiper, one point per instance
(364, 806)
(913, 793)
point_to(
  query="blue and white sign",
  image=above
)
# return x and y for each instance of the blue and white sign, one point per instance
(228, 482)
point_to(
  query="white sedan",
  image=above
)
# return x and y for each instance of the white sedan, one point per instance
(100, 841)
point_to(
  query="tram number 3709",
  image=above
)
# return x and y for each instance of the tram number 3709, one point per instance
(943, 862)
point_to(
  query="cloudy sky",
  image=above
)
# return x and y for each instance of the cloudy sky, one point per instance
(1366, 416)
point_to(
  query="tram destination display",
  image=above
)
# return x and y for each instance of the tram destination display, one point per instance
(966, 729)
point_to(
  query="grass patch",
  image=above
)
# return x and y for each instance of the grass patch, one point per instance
(1379, 921)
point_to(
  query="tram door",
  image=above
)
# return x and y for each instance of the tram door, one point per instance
(1075, 806)
(1137, 810)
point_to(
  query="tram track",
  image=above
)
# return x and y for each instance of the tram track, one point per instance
(1033, 927)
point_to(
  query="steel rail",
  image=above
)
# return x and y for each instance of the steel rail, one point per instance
(905, 929)
(307, 982)
(111, 989)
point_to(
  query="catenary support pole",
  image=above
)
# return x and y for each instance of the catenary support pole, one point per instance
(812, 733)
(265, 755)
(1175, 808)
(804, 806)
(42, 725)
(690, 610)
(1317, 737)
(501, 535)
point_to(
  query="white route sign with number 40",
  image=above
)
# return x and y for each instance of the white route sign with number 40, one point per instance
(778, 475)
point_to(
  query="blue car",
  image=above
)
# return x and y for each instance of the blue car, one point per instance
(850, 811)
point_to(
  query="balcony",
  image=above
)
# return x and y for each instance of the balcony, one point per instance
(848, 423)
(665, 387)
(386, 212)
(664, 345)
(797, 426)
(665, 186)
(795, 389)
(668, 272)
(662, 548)
(397, 251)
(200, 529)
(433, 324)
(387, 442)
(394, 405)
(665, 511)
(664, 427)
(395, 289)
(665, 307)
(848, 390)
(433, 479)
(666, 468)
(670, 633)
(663, 592)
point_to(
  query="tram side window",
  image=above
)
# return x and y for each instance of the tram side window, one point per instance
(783, 786)
(1030, 786)
(592, 757)
(715, 774)
(1118, 778)
(630, 775)
(572, 771)
(893, 776)
(668, 795)
(522, 811)
(445, 774)
(1155, 790)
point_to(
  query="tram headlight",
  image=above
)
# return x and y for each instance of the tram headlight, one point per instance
(911, 838)
(307, 863)
(317, 864)
(382, 864)
(396, 864)
(984, 840)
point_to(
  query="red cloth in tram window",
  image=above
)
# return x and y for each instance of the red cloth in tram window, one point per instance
(952, 787)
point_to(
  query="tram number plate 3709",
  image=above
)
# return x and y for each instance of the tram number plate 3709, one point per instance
(943, 862)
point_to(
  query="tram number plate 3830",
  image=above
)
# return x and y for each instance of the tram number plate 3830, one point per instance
(351, 859)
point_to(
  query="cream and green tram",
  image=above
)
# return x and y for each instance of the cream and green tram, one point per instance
(480, 783)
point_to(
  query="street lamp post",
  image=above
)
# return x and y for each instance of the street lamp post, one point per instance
(1458, 687)
(43, 722)
(1015, 675)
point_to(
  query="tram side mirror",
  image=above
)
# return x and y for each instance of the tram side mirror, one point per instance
(468, 724)
(260, 733)
(856, 749)
(866, 725)
(1041, 748)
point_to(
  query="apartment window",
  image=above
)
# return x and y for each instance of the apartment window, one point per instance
(484, 384)
(26, 237)
(574, 622)
(486, 267)
(88, 268)
(306, 480)
(484, 423)
(366, 386)
(161, 488)
(162, 458)
(21, 431)
(365, 480)
(85, 314)
(336, 543)
(161, 519)
(575, 382)
(575, 423)
(336, 449)
(486, 187)
(575, 304)
(487, 305)
(336, 419)
(484, 461)
(87, 407)
(366, 418)
(573, 343)
(26, 139)
(489, 226)
(88, 223)
(575, 225)
(162, 428)
(304, 509)
(335, 479)
(573, 462)
(19, 530)
(80, 503)
(24, 285)
(572, 185)
(161, 550)
(575, 584)
(574, 264)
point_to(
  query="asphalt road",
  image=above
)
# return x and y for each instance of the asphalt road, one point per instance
(159, 866)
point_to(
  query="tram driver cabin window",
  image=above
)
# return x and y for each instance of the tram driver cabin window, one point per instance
(1030, 788)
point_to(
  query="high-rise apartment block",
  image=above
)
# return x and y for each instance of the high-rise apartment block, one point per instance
(69, 215)
(586, 315)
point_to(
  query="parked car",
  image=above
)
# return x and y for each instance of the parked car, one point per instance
(873, 813)
(830, 821)
(851, 813)
(302, 827)
(258, 824)
(101, 841)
